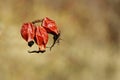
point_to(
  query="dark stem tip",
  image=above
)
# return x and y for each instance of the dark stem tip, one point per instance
(30, 43)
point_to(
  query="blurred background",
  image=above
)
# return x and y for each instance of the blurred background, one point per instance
(89, 49)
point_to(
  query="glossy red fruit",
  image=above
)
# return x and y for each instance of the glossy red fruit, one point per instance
(28, 33)
(41, 38)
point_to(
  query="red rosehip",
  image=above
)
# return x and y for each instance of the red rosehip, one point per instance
(41, 38)
(28, 33)
(51, 28)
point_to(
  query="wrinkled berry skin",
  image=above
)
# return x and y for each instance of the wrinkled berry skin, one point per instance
(31, 33)
(41, 38)
(28, 33)
(51, 28)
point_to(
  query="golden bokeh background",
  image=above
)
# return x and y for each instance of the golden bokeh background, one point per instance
(89, 49)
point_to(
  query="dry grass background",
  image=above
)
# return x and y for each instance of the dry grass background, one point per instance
(90, 46)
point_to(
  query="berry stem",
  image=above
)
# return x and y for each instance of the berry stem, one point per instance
(37, 21)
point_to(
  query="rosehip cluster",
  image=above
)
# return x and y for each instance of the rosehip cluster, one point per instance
(39, 34)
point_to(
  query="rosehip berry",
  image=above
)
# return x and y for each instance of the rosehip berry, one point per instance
(41, 38)
(28, 33)
(51, 28)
